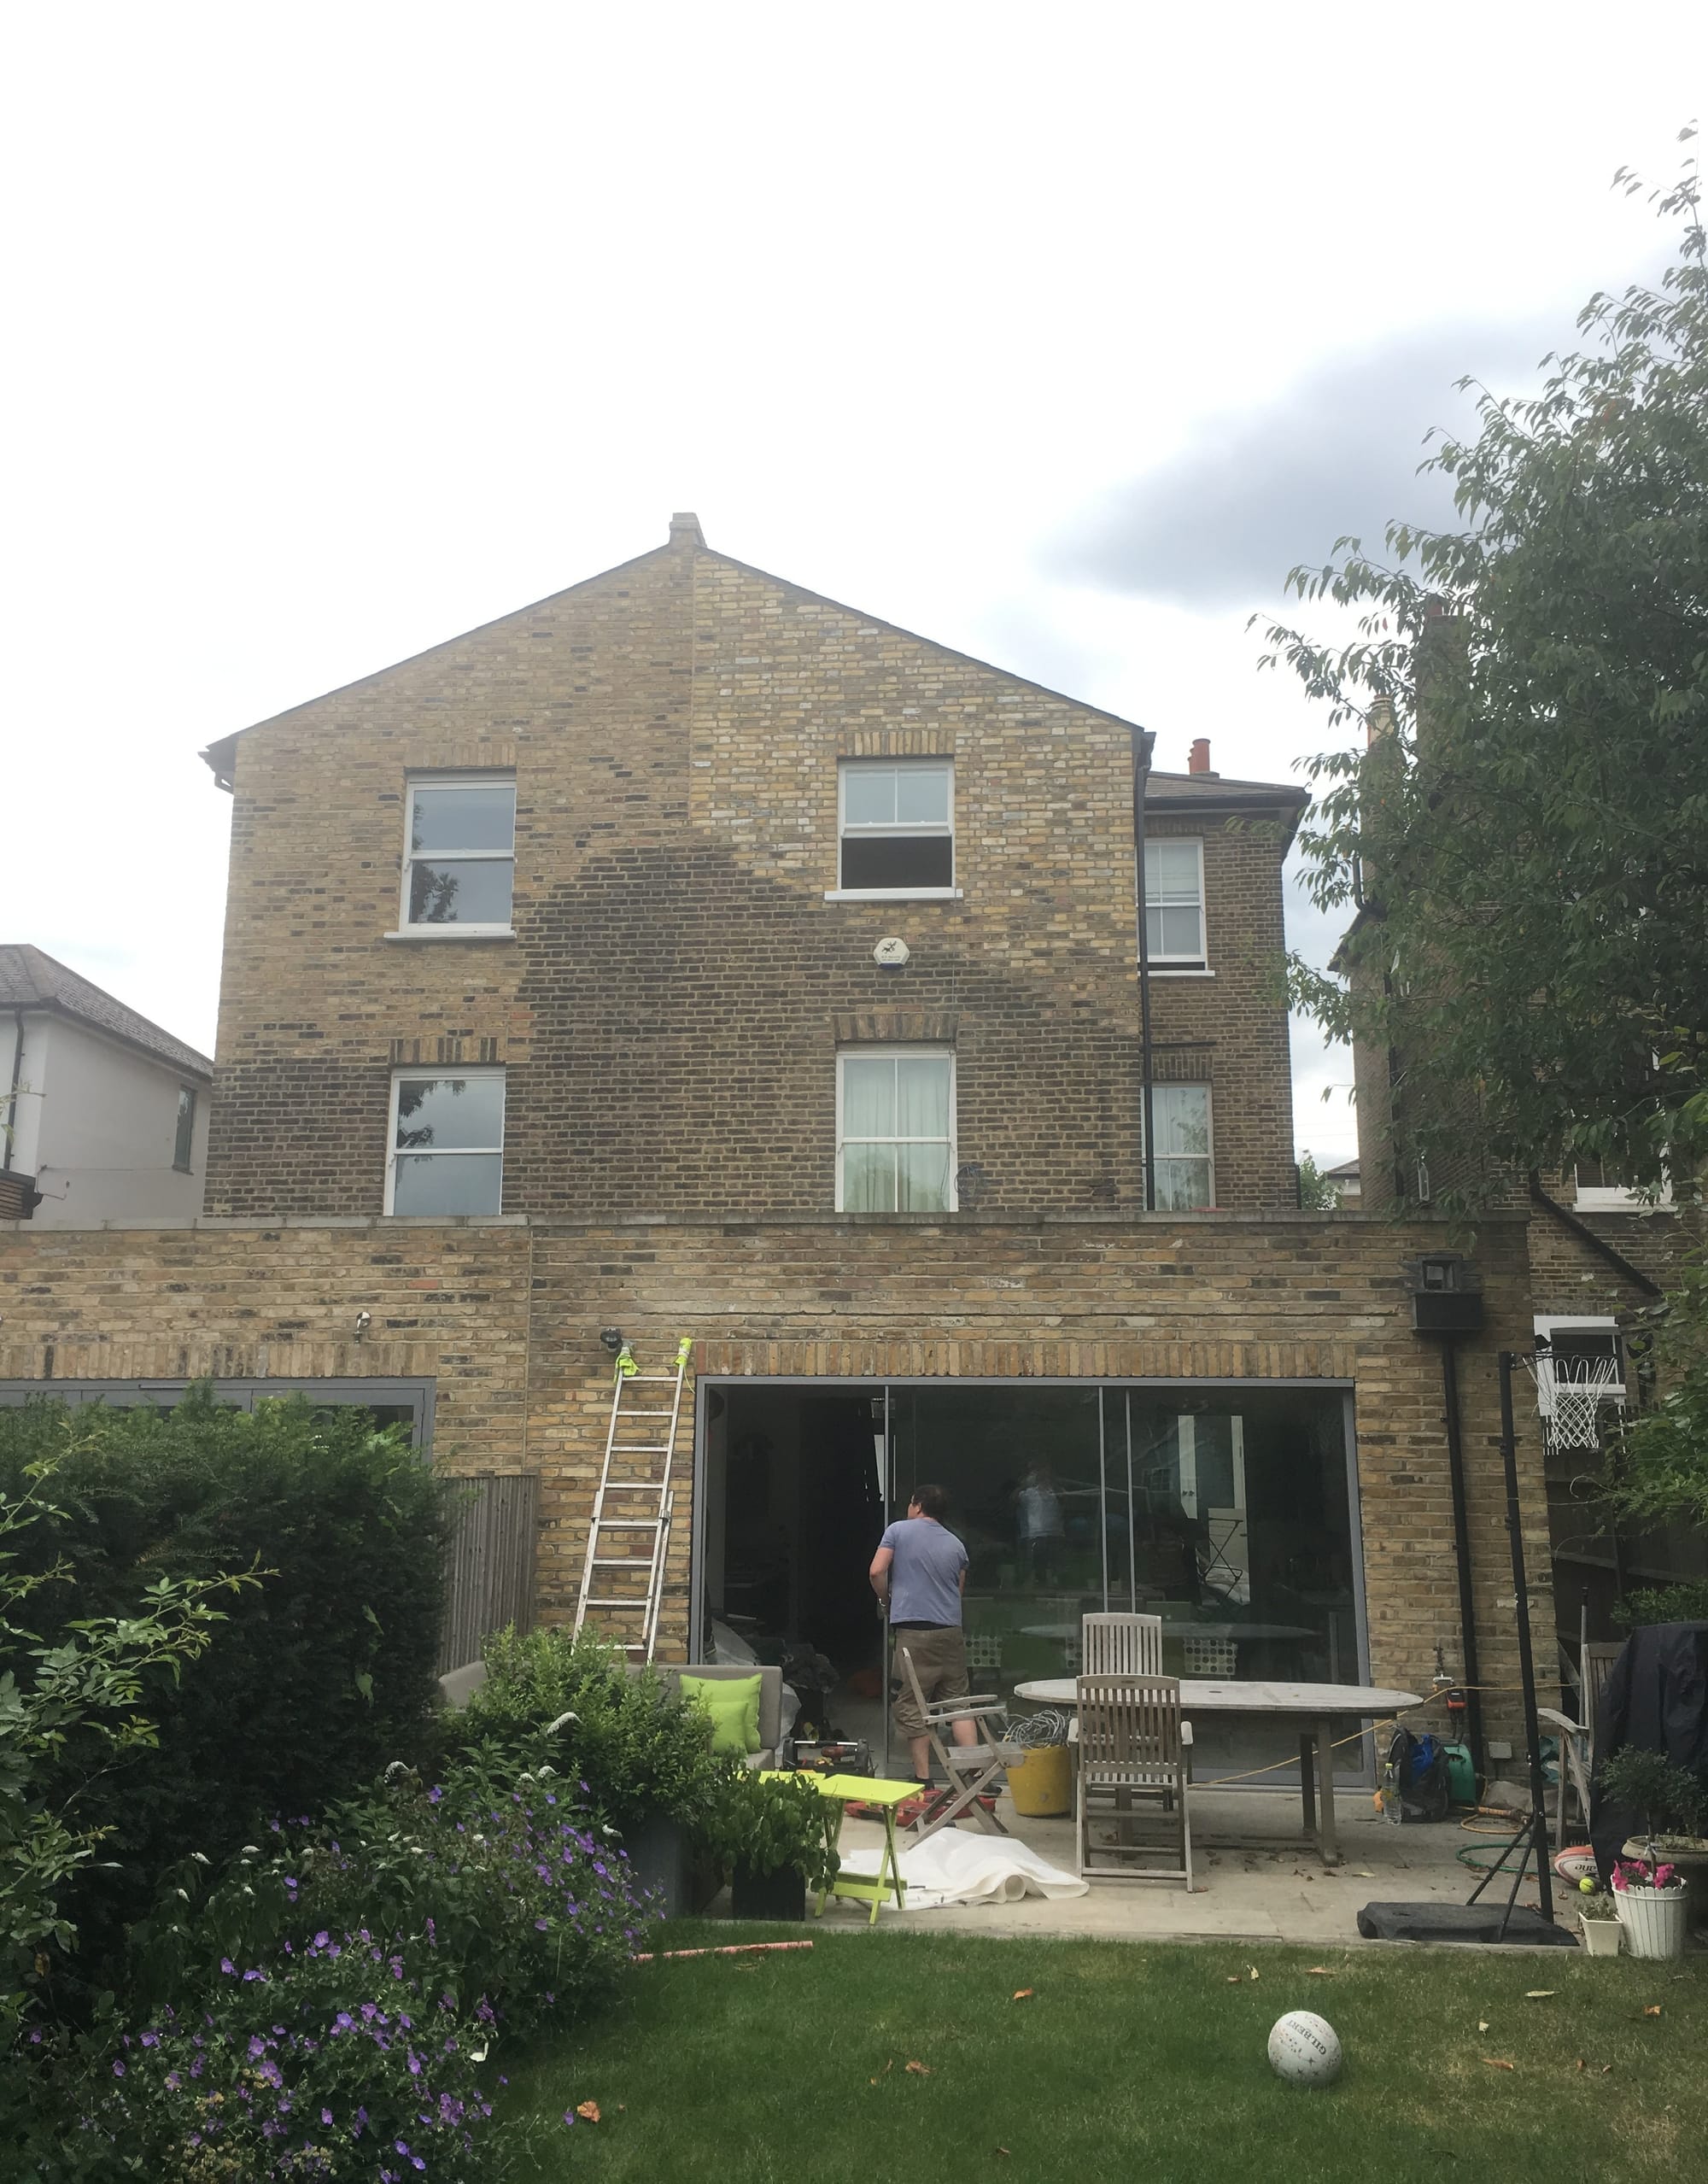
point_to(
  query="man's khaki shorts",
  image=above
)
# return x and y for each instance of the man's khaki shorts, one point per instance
(940, 1658)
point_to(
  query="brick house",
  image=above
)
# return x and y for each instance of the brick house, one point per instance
(691, 954)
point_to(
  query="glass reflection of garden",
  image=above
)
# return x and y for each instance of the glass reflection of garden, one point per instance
(1226, 1512)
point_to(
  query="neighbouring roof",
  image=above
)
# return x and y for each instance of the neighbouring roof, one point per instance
(1346, 1173)
(30, 979)
(1217, 792)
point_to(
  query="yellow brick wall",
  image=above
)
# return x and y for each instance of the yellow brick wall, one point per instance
(504, 1317)
(667, 1012)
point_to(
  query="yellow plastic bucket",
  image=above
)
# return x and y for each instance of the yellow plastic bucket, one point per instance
(1039, 1784)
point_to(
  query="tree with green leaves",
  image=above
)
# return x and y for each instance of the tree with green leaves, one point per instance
(1524, 836)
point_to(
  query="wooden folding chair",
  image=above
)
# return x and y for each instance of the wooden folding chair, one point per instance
(1132, 1781)
(972, 1770)
(1577, 1738)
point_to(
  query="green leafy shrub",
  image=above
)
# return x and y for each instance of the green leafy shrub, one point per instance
(331, 2003)
(572, 1702)
(80, 1696)
(1673, 1800)
(1686, 1602)
(771, 1825)
(320, 1672)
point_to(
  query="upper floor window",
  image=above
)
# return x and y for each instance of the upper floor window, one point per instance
(461, 855)
(184, 1143)
(897, 825)
(895, 1131)
(1185, 1165)
(446, 1143)
(1603, 1188)
(1174, 904)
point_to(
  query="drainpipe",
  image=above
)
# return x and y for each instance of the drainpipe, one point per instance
(1461, 1542)
(12, 1103)
(1144, 743)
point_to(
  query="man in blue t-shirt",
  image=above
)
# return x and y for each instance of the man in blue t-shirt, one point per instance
(919, 1570)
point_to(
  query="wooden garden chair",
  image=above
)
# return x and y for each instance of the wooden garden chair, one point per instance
(1130, 1817)
(973, 1771)
(1121, 1645)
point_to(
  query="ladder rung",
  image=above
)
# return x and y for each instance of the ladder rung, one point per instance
(638, 1448)
(630, 1524)
(638, 1606)
(622, 1562)
(650, 1380)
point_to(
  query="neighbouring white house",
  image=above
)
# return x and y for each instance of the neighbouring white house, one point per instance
(103, 1116)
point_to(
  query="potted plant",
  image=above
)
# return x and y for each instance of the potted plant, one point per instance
(1598, 1919)
(1651, 1897)
(1649, 1881)
(769, 1829)
(642, 1757)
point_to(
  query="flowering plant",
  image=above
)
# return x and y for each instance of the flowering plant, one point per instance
(1594, 1901)
(322, 2010)
(1646, 1873)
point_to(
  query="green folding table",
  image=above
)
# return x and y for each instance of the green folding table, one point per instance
(837, 1792)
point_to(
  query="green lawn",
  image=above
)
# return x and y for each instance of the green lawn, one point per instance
(1141, 2063)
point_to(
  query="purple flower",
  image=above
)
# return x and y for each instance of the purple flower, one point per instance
(326, 2115)
(435, 1794)
(322, 1938)
(118, 2069)
(227, 1965)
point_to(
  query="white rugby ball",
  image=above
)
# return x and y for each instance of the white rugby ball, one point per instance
(1304, 2049)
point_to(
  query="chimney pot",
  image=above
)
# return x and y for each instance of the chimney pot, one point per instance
(1199, 763)
(685, 529)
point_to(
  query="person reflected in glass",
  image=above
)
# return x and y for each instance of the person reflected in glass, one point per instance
(1037, 1517)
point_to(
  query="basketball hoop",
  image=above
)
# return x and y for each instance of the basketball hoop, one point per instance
(1569, 1393)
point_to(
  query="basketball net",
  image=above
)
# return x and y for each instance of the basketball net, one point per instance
(1570, 1394)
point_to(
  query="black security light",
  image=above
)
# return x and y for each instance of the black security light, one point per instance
(612, 1338)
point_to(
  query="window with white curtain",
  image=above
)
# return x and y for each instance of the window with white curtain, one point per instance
(1174, 904)
(895, 1130)
(1185, 1172)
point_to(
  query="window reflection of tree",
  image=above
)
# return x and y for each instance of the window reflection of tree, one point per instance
(432, 895)
(411, 1095)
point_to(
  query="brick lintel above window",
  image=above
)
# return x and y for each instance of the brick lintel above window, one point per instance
(894, 1026)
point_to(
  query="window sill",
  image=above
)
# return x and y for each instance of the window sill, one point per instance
(1621, 1201)
(892, 895)
(1162, 970)
(452, 933)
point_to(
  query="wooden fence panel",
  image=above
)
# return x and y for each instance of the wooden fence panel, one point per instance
(490, 1563)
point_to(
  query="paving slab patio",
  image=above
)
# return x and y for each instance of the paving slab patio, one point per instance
(1253, 1880)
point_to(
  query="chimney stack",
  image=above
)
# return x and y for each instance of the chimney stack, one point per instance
(1199, 763)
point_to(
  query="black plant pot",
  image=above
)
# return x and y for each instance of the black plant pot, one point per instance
(658, 1859)
(768, 1895)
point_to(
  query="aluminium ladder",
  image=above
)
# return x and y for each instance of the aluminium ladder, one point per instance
(629, 1535)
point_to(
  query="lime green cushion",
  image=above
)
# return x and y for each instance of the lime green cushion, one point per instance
(732, 1703)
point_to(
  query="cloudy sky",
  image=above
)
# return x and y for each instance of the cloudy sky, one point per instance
(1058, 334)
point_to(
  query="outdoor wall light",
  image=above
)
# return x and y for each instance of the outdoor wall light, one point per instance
(363, 1321)
(612, 1338)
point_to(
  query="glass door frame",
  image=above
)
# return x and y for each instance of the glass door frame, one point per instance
(1153, 1390)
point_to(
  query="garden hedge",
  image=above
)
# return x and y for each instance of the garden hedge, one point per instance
(322, 1671)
